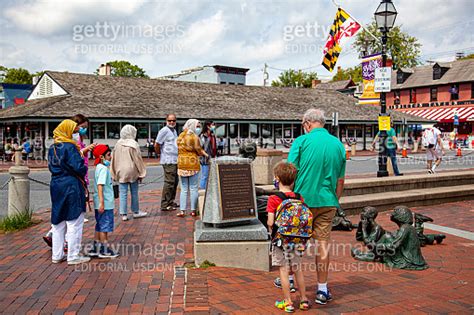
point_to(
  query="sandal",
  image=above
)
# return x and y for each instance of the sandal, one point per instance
(304, 305)
(193, 213)
(181, 214)
(285, 306)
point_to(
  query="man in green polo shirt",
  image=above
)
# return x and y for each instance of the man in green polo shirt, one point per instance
(392, 145)
(321, 162)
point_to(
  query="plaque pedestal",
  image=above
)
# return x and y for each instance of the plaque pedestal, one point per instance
(229, 233)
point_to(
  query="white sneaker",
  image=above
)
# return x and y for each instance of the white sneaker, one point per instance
(58, 261)
(124, 217)
(79, 260)
(140, 214)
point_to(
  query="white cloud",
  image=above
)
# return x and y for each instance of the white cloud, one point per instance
(37, 34)
(52, 16)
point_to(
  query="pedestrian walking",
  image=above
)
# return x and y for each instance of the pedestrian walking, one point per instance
(128, 169)
(320, 159)
(433, 143)
(189, 151)
(167, 150)
(209, 144)
(68, 193)
(392, 145)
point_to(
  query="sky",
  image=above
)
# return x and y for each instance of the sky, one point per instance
(164, 36)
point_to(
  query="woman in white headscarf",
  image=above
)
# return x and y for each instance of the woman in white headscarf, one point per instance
(128, 169)
(189, 150)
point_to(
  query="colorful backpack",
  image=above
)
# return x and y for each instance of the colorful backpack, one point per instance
(293, 223)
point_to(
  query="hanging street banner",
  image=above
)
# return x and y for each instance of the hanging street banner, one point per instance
(382, 80)
(384, 123)
(369, 64)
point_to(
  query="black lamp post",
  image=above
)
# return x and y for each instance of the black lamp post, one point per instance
(385, 16)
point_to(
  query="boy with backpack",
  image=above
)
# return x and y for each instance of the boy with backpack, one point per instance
(290, 225)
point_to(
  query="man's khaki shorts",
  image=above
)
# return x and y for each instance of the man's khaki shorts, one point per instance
(322, 222)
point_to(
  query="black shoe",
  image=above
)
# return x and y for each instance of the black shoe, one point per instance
(95, 251)
(108, 253)
(399, 174)
(169, 208)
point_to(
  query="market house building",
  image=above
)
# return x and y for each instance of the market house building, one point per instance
(270, 116)
(436, 92)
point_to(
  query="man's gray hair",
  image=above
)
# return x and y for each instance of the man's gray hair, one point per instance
(314, 115)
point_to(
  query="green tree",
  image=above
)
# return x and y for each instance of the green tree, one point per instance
(354, 73)
(403, 49)
(123, 68)
(293, 78)
(470, 56)
(17, 76)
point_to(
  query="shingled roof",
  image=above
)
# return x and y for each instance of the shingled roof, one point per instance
(457, 71)
(335, 85)
(108, 97)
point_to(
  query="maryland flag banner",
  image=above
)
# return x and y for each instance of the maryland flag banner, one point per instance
(344, 26)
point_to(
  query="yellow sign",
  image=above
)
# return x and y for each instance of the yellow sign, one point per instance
(384, 123)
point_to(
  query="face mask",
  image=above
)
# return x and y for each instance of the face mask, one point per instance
(76, 137)
(82, 131)
(198, 131)
(276, 184)
(213, 129)
(106, 163)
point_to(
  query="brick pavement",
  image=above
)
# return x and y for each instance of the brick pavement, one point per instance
(149, 279)
(357, 287)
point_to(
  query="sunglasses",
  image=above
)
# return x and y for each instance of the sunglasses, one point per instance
(171, 120)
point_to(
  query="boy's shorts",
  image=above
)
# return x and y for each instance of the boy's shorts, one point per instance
(322, 222)
(281, 258)
(104, 221)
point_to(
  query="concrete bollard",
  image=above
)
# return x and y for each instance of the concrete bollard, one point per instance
(263, 165)
(19, 187)
(353, 149)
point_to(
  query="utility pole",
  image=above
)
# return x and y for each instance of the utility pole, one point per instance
(265, 74)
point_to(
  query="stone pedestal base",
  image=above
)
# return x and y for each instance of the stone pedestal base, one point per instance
(263, 165)
(243, 246)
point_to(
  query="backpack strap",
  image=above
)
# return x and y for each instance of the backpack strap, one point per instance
(297, 196)
(282, 196)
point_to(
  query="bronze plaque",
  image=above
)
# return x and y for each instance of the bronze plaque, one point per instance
(236, 191)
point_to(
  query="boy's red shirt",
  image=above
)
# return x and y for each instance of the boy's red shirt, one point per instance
(274, 201)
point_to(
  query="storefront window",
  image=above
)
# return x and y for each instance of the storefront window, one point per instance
(254, 132)
(244, 130)
(220, 131)
(278, 131)
(233, 132)
(142, 130)
(287, 131)
(51, 126)
(98, 130)
(267, 131)
(296, 130)
(113, 130)
(155, 128)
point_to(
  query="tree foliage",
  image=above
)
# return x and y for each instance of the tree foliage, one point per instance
(403, 49)
(16, 76)
(470, 56)
(123, 68)
(354, 73)
(293, 78)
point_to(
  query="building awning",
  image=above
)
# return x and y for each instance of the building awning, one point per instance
(444, 114)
